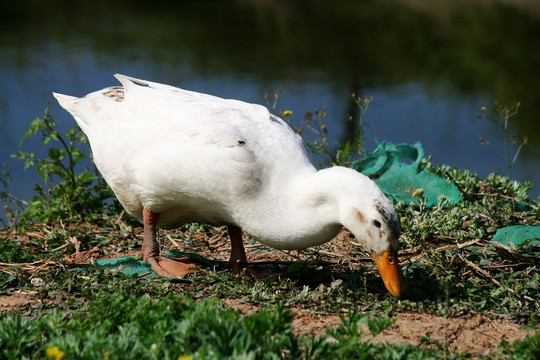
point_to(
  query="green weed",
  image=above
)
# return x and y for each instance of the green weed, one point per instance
(11, 253)
(315, 122)
(505, 113)
(67, 191)
(528, 348)
(345, 152)
(12, 213)
(121, 327)
(116, 326)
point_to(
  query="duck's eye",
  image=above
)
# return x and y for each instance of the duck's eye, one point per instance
(390, 260)
(377, 223)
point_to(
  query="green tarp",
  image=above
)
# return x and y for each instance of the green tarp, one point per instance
(519, 235)
(396, 169)
(132, 266)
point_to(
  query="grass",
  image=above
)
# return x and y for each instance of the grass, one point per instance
(176, 325)
(99, 315)
(75, 310)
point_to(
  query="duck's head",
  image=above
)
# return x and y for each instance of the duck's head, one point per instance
(374, 221)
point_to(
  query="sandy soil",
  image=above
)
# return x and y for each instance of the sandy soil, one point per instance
(478, 334)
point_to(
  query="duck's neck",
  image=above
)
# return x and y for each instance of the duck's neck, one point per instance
(300, 212)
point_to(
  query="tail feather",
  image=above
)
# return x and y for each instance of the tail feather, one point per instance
(66, 101)
(72, 105)
(127, 80)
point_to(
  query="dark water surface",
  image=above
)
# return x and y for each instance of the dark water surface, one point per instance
(430, 68)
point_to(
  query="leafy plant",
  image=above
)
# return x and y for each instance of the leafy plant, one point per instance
(66, 191)
(505, 113)
(315, 121)
(8, 199)
(355, 145)
(10, 253)
(348, 341)
(18, 337)
(345, 151)
(528, 348)
(165, 329)
(467, 273)
(177, 326)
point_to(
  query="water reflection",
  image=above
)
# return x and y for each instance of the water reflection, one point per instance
(430, 69)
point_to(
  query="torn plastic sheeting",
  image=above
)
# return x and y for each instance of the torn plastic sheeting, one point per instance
(387, 166)
(519, 235)
(131, 266)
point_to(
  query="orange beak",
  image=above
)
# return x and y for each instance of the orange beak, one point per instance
(387, 263)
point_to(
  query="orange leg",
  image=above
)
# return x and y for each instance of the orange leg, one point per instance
(238, 260)
(162, 265)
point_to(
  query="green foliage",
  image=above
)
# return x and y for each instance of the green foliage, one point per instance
(528, 348)
(505, 113)
(8, 199)
(67, 191)
(348, 341)
(123, 317)
(12, 254)
(459, 267)
(115, 326)
(120, 327)
(315, 121)
(345, 151)
(19, 337)
(354, 146)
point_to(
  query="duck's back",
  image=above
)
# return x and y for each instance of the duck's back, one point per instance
(187, 155)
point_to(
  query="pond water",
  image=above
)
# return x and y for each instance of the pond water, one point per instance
(429, 68)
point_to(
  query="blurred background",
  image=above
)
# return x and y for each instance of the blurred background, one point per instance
(430, 66)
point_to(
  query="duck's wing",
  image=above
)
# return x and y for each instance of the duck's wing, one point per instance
(210, 120)
(161, 142)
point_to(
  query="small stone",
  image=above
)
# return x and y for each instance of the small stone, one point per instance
(36, 282)
(336, 283)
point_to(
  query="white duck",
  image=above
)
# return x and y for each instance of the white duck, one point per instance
(173, 156)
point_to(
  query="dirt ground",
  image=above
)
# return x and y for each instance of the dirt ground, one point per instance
(477, 334)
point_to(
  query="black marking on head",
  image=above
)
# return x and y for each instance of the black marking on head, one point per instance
(382, 212)
(391, 219)
(241, 142)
